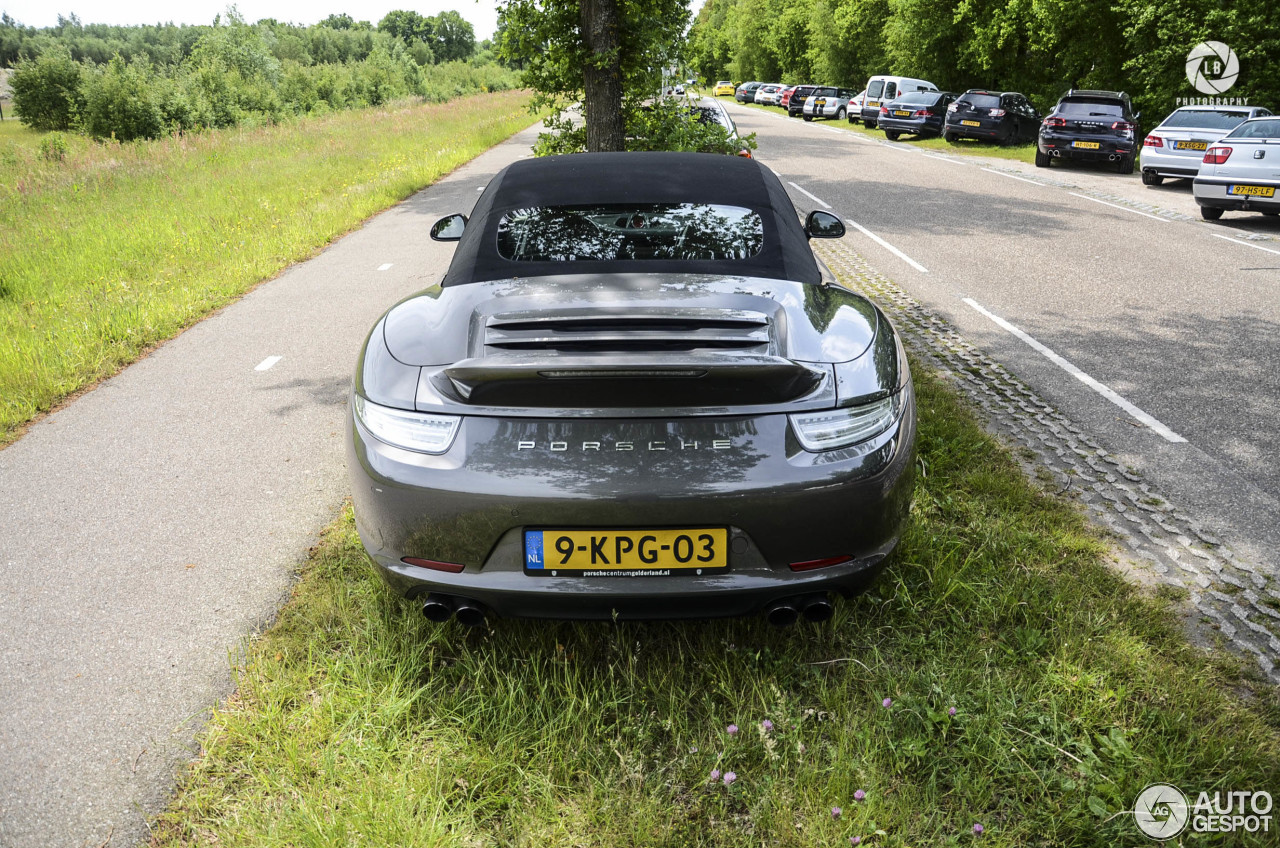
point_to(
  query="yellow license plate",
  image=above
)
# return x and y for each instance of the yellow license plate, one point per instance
(902, 114)
(873, 102)
(605, 553)
(1190, 145)
(971, 123)
(1252, 191)
(1087, 145)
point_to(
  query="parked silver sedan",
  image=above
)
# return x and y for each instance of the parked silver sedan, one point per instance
(1175, 148)
(1242, 171)
(828, 102)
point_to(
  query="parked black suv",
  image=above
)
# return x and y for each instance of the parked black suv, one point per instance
(1003, 116)
(1093, 126)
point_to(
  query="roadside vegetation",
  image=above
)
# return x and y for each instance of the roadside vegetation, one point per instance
(1040, 49)
(124, 83)
(107, 249)
(999, 675)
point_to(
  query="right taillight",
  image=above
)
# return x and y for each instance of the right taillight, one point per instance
(1217, 155)
(1153, 141)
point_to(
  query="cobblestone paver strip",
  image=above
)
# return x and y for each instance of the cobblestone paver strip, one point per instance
(1157, 543)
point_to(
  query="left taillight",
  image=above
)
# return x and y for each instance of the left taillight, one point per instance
(1153, 141)
(402, 428)
(884, 110)
(1216, 155)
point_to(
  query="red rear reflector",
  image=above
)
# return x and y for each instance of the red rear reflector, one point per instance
(809, 565)
(451, 567)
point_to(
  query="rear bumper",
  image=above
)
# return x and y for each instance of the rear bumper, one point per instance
(917, 126)
(1062, 146)
(984, 130)
(1212, 192)
(1168, 164)
(781, 504)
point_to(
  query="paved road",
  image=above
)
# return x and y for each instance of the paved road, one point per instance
(1122, 280)
(154, 522)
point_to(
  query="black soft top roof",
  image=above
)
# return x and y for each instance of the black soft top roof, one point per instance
(640, 178)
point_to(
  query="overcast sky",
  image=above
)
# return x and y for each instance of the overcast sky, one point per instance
(482, 14)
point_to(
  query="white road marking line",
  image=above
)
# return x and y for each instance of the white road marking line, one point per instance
(1107, 393)
(1014, 177)
(384, 267)
(481, 188)
(952, 161)
(1117, 206)
(898, 253)
(824, 204)
(268, 362)
(1236, 241)
(894, 146)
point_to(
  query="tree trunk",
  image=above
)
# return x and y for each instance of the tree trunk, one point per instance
(602, 79)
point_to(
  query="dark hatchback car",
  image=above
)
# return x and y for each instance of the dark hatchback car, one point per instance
(1090, 126)
(919, 113)
(1003, 116)
(746, 93)
(635, 393)
(795, 103)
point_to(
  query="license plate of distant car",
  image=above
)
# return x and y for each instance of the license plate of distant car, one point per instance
(1087, 145)
(1252, 191)
(1190, 145)
(605, 553)
(901, 113)
(873, 102)
(971, 123)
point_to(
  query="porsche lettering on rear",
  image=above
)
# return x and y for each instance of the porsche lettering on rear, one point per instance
(677, 444)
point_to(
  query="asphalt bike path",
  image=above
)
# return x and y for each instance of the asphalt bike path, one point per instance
(152, 524)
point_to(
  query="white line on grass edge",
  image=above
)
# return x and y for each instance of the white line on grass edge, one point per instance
(898, 253)
(824, 204)
(1118, 206)
(1163, 431)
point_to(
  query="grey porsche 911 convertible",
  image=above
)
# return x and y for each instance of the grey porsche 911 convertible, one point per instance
(636, 393)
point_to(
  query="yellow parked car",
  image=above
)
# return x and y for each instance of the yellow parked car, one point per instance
(724, 87)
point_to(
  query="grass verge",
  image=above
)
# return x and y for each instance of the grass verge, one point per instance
(356, 722)
(968, 147)
(109, 249)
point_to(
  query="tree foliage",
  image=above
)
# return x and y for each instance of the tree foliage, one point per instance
(569, 55)
(142, 82)
(1038, 47)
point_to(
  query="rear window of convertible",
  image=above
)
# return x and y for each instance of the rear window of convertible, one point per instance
(629, 232)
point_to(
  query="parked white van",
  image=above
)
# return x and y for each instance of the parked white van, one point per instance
(883, 88)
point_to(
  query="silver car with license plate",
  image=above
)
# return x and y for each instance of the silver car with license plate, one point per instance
(1242, 171)
(636, 393)
(828, 102)
(1175, 148)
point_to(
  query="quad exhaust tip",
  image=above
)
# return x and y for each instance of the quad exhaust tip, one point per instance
(787, 611)
(440, 608)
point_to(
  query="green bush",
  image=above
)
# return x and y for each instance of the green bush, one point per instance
(120, 101)
(47, 93)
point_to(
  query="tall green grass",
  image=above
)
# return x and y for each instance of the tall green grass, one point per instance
(116, 247)
(356, 722)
